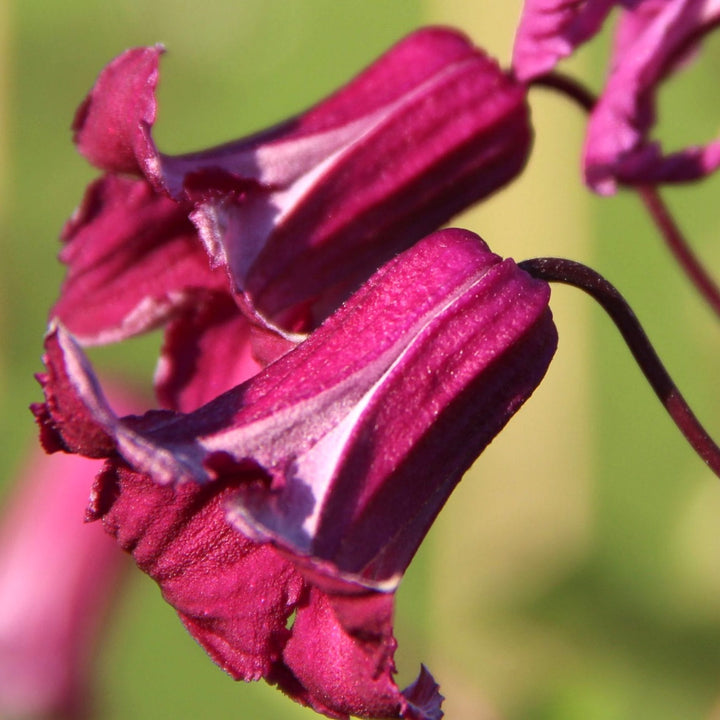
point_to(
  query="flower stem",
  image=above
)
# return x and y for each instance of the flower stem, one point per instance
(568, 86)
(671, 233)
(586, 279)
(679, 248)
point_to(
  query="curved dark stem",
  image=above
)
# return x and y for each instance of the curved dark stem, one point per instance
(674, 239)
(568, 86)
(583, 277)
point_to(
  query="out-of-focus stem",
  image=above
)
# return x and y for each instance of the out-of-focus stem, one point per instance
(675, 240)
(665, 223)
(615, 305)
(568, 86)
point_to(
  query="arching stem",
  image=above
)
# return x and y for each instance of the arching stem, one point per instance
(583, 277)
(659, 212)
(568, 86)
(675, 240)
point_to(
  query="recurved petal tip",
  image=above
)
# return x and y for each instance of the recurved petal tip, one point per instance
(423, 698)
(112, 125)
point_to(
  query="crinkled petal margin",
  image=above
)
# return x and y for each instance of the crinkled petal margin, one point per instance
(235, 596)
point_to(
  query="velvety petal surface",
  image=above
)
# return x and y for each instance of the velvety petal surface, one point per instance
(339, 637)
(332, 462)
(465, 360)
(441, 347)
(236, 598)
(651, 41)
(336, 637)
(233, 595)
(207, 350)
(453, 139)
(133, 261)
(113, 123)
(322, 200)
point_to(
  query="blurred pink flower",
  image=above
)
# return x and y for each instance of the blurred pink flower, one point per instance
(279, 518)
(652, 39)
(57, 578)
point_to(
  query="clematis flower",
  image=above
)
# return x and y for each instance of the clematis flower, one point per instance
(282, 225)
(652, 39)
(279, 518)
(58, 576)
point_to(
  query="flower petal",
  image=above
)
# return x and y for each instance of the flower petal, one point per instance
(424, 698)
(113, 123)
(341, 637)
(236, 599)
(452, 140)
(133, 259)
(233, 595)
(207, 351)
(551, 30)
(334, 460)
(440, 348)
(617, 147)
(75, 417)
(319, 202)
(361, 500)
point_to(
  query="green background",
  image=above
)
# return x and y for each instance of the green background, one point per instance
(576, 573)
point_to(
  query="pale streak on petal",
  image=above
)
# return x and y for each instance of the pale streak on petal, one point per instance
(293, 167)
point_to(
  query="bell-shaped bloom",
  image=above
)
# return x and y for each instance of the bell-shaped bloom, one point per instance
(279, 518)
(652, 39)
(58, 576)
(287, 222)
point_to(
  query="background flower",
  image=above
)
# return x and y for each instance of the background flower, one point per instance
(653, 39)
(58, 577)
(576, 571)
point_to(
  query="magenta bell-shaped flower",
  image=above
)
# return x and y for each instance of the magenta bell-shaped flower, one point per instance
(308, 488)
(283, 225)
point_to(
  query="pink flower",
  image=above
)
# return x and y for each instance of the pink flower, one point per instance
(551, 30)
(57, 578)
(652, 38)
(279, 518)
(281, 226)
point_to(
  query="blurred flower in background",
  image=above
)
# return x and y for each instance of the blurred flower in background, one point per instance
(652, 40)
(59, 577)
